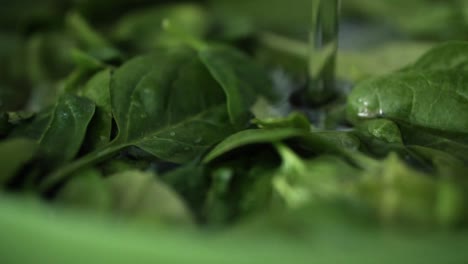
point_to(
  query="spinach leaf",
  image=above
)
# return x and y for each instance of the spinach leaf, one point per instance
(452, 55)
(143, 197)
(434, 100)
(34, 127)
(65, 132)
(300, 182)
(157, 109)
(132, 194)
(399, 193)
(316, 142)
(294, 120)
(191, 182)
(445, 165)
(144, 29)
(455, 145)
(379, 137)
(249, 137)
(14, 154)
(89, 39)
(241, 79)
(86, 191)
(98, 90)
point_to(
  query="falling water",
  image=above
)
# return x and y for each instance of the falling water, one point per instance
(323, 50)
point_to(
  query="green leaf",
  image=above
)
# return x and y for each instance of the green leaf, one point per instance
(86, 191)
(434, 100)
(294, 120)
(143, 197)
(356, 66)
(63, 136)
(157, 109)
(98, 90)
(250, 137)
(242, 80)
(382, 129)
(14, 154)
(455, 145)
(379, 137)
(34, 127)
(445, 164)
(90, 40)
(144, 28)
(436, 20)
(316, 142)
(301, 182)
(191, 182)
(400, 193)
(451, 55)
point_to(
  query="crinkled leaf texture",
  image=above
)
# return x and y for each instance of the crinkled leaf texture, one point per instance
(435, 99)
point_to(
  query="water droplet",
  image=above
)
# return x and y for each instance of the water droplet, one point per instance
(172, 134)
(64, 115)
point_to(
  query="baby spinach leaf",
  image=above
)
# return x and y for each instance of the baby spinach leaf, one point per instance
(317, 142)
(191, 182)
(382, 129)
(242, 80)
(14, 154)
(86, 191)
(98, 90)
(89, 39)
(157, 108)
(249, 137)
(454, 144)
(400, 193)
(144, 28)
(300, 182)
(63, 136)
(445, 164)
(331, 141)
(143, 197)
(34, 127)
(294, 120)
(131, 194)
(451, 55)
(435, 100)
(379, 137)
(358, 65)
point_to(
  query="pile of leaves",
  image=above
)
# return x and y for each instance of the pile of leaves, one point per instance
(191, 117)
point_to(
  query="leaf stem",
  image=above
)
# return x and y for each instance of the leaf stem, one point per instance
(66, 171)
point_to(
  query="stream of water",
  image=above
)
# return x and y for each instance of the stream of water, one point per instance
(323, 50)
